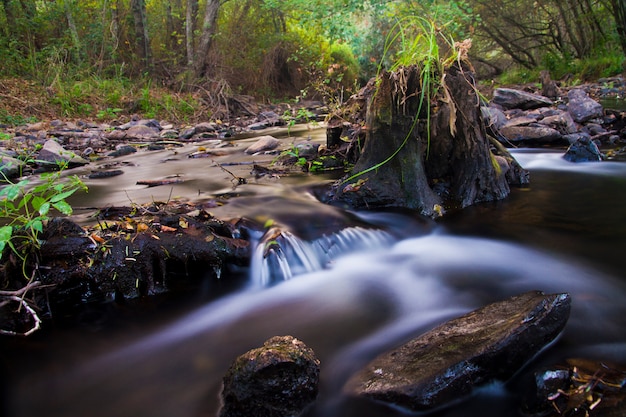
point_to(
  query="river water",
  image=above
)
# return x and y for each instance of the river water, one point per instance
(378, 280)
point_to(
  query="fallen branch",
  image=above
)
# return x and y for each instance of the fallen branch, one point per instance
(18, 296)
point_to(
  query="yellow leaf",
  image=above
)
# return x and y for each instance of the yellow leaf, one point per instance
(183, 223)
(142, 227)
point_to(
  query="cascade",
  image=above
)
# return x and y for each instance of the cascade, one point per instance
(280, 255)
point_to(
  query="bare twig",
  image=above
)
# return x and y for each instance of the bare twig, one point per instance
(18, 297)
(239, 180)
(29, 310)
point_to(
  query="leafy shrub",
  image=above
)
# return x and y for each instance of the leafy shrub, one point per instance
(24, 209)
(344, 67)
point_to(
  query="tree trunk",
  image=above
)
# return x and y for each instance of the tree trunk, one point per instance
(78, 48)
(402, 165)
(208, 31)
(460, 161)
(142, 39)
(619, 14)
(190, 18)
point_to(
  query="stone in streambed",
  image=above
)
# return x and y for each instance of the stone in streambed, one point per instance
(509, 98)
(446, 363)
(583, 150)
(279, 379)
(582, 107)
(10, 167)
(530, 134)
(53, 153)
(264, 143)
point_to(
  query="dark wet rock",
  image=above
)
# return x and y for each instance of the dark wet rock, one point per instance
(546, 385)
(263, 143)
(530, 134)
(307, 149)
(10, 167)
(155, 147)
(574, 137)
(105, 174)
(53, 154)
(583, 150)
(279, 379)
(151, 123)
(446, 363)
(509, 98)
(523, 120)
(265, 120)
(581, 387)
(123, 150)
(594, 129)
(65, 238)
(258, 126)
(163, 181)
(204, 127)
(561, 121)
(169, 134)
(135, 259)
(582, 107)
(187, 133)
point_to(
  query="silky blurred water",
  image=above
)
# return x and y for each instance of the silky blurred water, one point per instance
(564, 233)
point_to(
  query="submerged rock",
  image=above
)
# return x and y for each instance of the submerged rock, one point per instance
(263, 143)
(279, 379)
(583, 150)
(446, 363)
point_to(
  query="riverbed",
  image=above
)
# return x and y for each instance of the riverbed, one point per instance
(394, 279)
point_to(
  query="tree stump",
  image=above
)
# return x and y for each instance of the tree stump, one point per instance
(427, 156)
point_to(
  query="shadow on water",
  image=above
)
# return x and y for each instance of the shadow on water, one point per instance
(563, 234)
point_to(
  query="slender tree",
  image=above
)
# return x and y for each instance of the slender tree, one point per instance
(619, 14)
(143, 49)
(190, 18)
(209, 28)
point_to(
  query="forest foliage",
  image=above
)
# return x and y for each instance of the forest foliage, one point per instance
(102, 57)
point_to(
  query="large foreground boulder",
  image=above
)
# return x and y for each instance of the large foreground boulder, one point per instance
(279, 379)
(446, 363)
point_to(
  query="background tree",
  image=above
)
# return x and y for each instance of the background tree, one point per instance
(142, 39)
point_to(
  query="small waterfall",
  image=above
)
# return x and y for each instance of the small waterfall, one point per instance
(280, 255)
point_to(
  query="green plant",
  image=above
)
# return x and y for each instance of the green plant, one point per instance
(421, 48)
(108, 113)
(15, 120)
(25, 209)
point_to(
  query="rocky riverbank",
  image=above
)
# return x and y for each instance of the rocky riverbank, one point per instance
(573, 120)
(138, 252)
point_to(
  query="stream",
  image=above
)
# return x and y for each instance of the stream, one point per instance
(349, 285)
